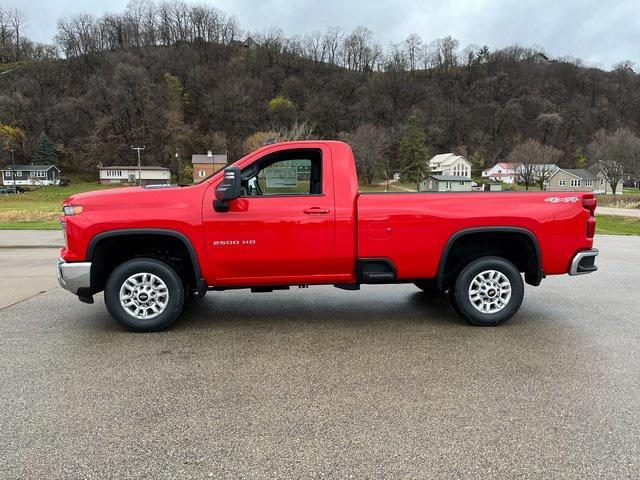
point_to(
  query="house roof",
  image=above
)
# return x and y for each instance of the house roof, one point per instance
(450, 178)
(22, 168)
(543, 166)
(205, 158)
(132, 167)
(578, 172)
(445, 159)
(504, 166)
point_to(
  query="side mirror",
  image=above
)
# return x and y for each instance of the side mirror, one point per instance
(229, 189)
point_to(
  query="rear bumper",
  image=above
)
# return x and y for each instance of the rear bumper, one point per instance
(584, 262)
(74, 276)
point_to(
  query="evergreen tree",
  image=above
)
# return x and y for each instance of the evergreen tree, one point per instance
(413, 154)
(45, 152)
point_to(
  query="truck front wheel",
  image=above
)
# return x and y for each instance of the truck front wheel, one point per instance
(488, 291)
(144, 295)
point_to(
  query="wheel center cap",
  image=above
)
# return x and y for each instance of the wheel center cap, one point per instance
(143, 297)
(492, 292)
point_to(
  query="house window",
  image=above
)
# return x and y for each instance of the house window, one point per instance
(448, 185)
(602, 181)
(562, 183)
(7, 174)
(18, 174)
(575, 182)
(589, 183)
(114, 173)
(41, 174)
(461, 183)
(201, 173)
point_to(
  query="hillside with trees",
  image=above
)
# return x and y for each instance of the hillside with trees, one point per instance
(184, 79)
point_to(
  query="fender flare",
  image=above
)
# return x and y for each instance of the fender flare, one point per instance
(193, 255)
(532, 280)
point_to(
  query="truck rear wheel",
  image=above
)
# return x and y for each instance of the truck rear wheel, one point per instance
(488, 291)
(144, 295)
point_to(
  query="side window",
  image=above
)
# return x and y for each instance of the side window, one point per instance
(291, 172)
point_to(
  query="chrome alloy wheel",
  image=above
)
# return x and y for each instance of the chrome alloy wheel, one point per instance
(490, 291)
(144, 296)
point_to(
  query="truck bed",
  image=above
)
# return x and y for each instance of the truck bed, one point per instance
(413, 229)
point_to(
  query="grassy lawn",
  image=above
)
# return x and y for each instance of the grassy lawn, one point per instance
(617, 225)
(39, 209)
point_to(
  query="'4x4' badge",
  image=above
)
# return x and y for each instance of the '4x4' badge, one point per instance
(561, 199)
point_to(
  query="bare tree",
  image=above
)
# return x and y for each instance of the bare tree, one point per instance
(413, 47)
(614, 153)
(369, 144)
(314, 46)
(331, 40)
(6, 35)
(18, 21)
(534, 162)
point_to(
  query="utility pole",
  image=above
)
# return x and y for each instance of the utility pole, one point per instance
(179, 168)
(139, 169)
(13, 166)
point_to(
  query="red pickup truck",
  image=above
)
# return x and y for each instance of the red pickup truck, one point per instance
(291, 214)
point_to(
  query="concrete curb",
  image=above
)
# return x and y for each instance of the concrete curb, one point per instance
(27, 247)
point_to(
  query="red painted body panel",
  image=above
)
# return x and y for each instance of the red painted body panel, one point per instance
(278, 243)
(412, 230)
(272, 241)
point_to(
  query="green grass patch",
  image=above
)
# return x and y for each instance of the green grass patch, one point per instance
(617, 225)
(31, 225)
(40, 209)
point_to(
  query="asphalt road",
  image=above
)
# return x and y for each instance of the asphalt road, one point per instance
(381, 383)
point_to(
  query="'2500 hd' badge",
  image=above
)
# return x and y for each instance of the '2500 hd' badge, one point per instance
(232, 243)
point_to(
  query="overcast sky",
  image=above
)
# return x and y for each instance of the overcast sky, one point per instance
(600, 32)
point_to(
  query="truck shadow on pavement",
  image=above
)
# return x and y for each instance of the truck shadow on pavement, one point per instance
(308, 309)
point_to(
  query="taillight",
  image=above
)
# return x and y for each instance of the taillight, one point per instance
(589, 203)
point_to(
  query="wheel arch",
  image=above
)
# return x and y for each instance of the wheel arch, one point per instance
(534, 273)
(97, 241)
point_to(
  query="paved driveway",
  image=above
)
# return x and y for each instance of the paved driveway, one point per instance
(381, 383)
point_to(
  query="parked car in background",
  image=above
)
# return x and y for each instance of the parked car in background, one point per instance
(10, 189)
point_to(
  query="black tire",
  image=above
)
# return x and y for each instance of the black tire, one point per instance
(166, 274)
(462, 304)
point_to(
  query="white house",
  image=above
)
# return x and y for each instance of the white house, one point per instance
(446, 183)
(450, 164)
(501, 172)
(129, 174)
(31, 175)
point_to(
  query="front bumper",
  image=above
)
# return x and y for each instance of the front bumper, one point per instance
(584, 262)
(74, 276)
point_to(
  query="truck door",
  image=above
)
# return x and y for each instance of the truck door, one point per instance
(282, 228)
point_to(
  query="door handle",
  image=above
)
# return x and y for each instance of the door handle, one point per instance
(315, 211)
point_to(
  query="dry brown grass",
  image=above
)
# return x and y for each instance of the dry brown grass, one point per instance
(619, 201)
(27, 216)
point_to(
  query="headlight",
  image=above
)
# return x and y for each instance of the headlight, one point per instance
(72, 209)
